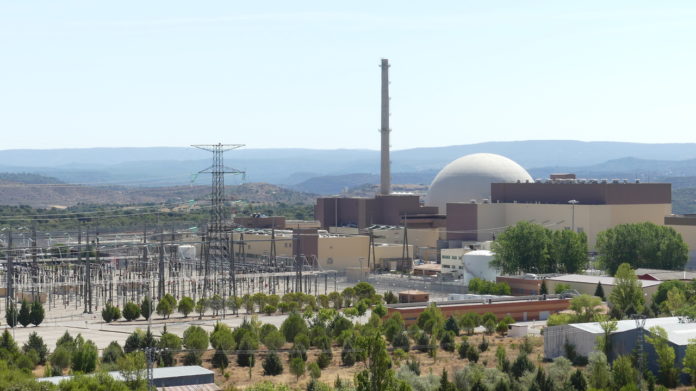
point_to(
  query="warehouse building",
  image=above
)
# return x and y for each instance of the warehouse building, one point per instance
(193, 378)
(588, 284)
(583, 336)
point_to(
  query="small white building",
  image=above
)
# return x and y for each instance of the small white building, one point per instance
(466, 264)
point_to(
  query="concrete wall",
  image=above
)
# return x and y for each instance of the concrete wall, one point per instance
(688, 233)
(590, 288)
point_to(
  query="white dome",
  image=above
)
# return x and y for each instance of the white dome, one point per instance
(470, 177)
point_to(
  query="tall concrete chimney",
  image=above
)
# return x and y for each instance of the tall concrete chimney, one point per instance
(385, 172)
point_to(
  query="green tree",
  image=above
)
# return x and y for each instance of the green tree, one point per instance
(170, 344)
(543, 290)
(11, 316)
(646, 245)
(522, 248)
(451, 325)
(569, 251)
(37, 313)
(201, 307)
(24, 317)
(112, 353)
(689, 362)
(431, 320)
(586, 307)
(222, 337)
(599, 292)
(274, 340)
(627, 296)
(220, 360)
(36, 344)
(314, 370)
(598, 372)
(146, 308)
(133, 369)
(377, 375)
(675, 303)
(164, 308)
(195, 338)
(623, 372)
(60, 359)
(293, 325)
(578, 381)
(470, 321)
(245, 351)
(131, 311)
(608, 326)
(665, 356)
(297, 367)
(185, 306)
(84, 358)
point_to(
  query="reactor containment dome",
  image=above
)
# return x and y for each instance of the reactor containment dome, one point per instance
(469, 178)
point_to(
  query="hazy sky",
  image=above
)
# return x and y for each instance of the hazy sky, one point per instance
(305, 74)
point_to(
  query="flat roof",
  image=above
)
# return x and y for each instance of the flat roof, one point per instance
(666, 275)
(157, 373)
(605, 280)
(679, 332)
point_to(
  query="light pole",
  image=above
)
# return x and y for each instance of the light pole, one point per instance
(572, 203)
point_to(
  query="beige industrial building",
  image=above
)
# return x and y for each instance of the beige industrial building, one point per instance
(330, 251)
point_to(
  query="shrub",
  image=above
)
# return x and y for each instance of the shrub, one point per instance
(131, 311)
(401, 341)
(60, 358)
(110, 313)
(483, 346)
(84, 358)
(324, 359)
(272, 365)
(133, 341)
(463, 348)
(191, 358)
(297, 367)
(447, 341)
(348, 356)
(146, 308)
(245, 352)
(24, 362)
(472, 354)
(274, 340)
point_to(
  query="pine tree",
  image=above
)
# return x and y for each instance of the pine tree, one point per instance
(599, 292)
(37, 313)
(543, 290)
(24, 317)
(11, 316)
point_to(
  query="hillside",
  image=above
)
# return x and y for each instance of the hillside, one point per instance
(169, 166)
(63, 195)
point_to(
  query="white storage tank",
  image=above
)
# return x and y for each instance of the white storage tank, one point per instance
(477, 264)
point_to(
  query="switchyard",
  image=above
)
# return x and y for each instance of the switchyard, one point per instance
(84, 269)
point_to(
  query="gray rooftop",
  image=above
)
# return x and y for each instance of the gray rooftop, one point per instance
(605, 280)
(678, 331)
(158, 373)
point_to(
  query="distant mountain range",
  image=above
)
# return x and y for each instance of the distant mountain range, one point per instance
(166, 166)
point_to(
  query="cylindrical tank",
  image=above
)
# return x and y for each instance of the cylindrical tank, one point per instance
(477, 263)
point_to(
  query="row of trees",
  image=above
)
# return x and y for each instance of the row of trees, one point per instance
(28, 313)
(531, 248)
(356, 299)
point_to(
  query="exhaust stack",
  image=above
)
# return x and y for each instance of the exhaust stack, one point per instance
(385, 172)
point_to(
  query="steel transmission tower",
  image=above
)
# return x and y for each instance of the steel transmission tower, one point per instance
(217, 249)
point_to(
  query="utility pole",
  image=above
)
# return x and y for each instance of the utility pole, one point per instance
(572, 203)
(10, 271)
(160, 285)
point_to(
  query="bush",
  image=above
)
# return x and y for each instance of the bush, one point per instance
(483, 346)
(60, 358)
(401, 341)
(191, 358)
(131, 311)
(423, 343)
(272, 365)
(293, 325)
(324, 359)
(110, 313)
(146, 308)
(245, 352)
(164, 308)
(447, 341)
(274, 340)
(472, 354)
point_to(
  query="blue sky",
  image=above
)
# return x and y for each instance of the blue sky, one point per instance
(305, 74)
